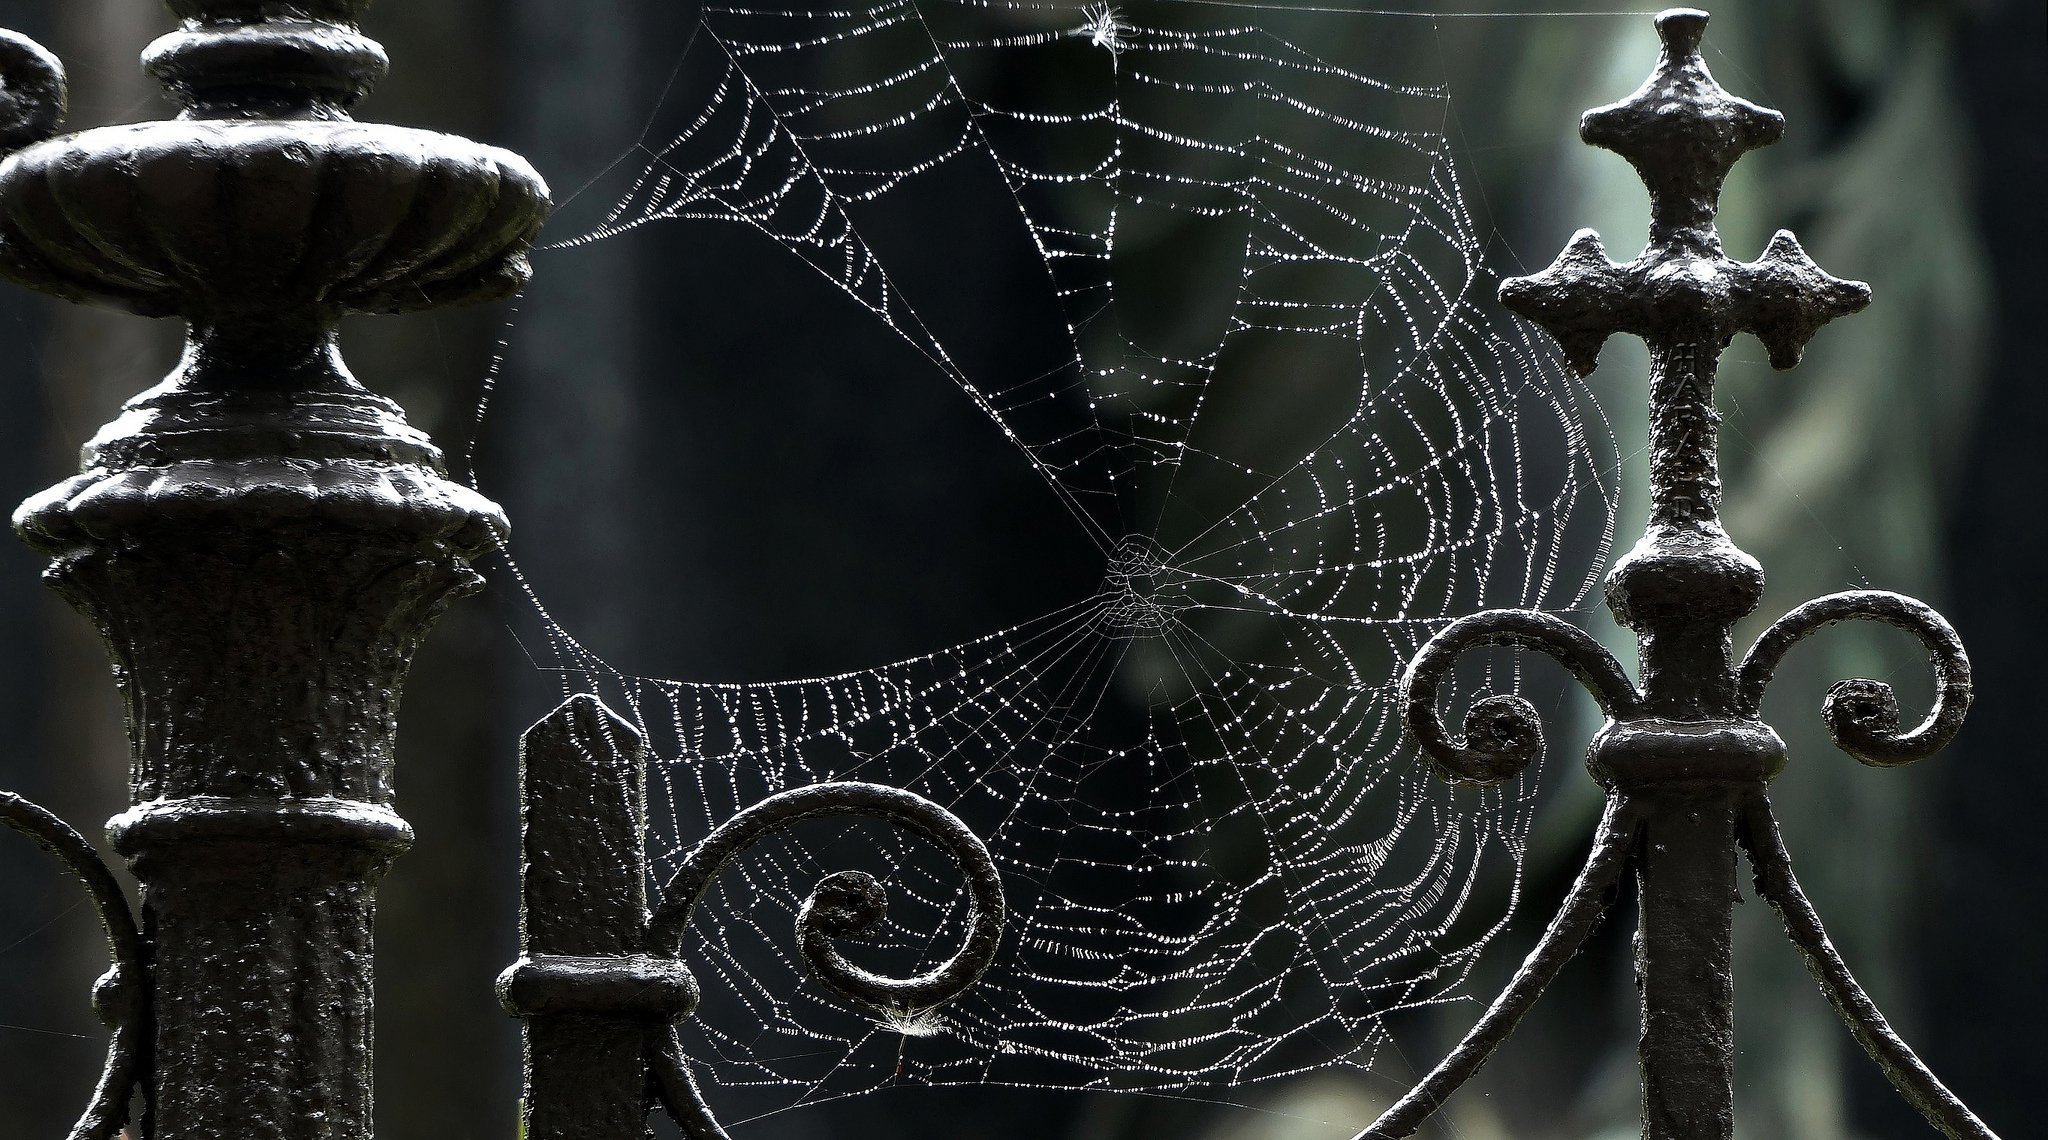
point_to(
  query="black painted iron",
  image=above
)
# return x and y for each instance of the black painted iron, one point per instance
(261, 541)
(601, 983)
(1685, 759)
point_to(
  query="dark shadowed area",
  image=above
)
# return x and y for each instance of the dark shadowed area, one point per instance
(717, 470)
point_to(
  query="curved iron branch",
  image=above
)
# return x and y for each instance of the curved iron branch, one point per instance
(851, 904)
(122, 996)
(1906, 1071)
(1502, 733)
(675, 1084)
(1863, 715)
(32, 92)
(1577, 917)
(845, 904)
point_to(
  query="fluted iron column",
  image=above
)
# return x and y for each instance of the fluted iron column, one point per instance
(261, 541)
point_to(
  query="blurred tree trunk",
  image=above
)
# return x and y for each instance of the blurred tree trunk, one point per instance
(447, 1055)
(1980, 930)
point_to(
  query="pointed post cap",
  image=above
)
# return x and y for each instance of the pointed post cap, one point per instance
(1682, 133)
(1680, 130)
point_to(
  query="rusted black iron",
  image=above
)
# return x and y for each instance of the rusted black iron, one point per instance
(1685, 759)
(601, 984)
(261, 541)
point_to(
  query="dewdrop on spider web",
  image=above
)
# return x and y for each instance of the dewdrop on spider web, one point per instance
(1105, 27)
(1186, 752)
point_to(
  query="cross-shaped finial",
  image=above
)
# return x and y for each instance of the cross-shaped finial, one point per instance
(1682, 133)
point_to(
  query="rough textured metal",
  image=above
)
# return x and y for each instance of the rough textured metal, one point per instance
(1503, 734)
(846, 904)
(583, 788)
(261, 540)
(1907, 1073)
(1862, 716)
(32, 92)
(602, 982)
(851, 904)
(1685, 760)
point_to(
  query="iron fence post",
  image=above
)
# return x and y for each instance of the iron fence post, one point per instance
(261, 541)
(588, 991)
(1685, 756)
(601, 980)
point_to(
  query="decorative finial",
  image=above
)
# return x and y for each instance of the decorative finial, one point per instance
(1682, 132)
(237, 59)
(1685, 756)
(261, 540)
(219, 217)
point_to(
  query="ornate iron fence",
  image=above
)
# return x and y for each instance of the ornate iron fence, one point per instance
(263, 543)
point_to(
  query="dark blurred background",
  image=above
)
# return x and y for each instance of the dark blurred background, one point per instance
(683, 519)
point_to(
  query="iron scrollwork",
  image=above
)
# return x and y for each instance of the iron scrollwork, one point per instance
(32, 92)
(1862, 715)
(609, 973)
(1503, 734)
(122, 996)
(1685, 758)
(844, 905)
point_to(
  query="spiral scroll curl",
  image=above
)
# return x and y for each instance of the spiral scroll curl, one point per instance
(32, 92)
(1862, 715)
(122, 997)
(1503, 734)
(844, 905)
(851, 904)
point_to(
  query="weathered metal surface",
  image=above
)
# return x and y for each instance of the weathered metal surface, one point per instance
(1686, 759)
(1503, 734)
(262, 541)
(32, 92)
(602, 983)
(1862, 716)
(583, 788)
(844, 905)
(851, 904)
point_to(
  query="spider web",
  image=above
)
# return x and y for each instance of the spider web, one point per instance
(1270, 387)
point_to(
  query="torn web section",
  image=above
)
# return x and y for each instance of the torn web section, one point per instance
(1262, 373)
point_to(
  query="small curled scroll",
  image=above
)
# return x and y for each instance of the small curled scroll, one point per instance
(1502, 733)
(851, 904)
(122, 996)
(1862, 715)
(32, 92)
